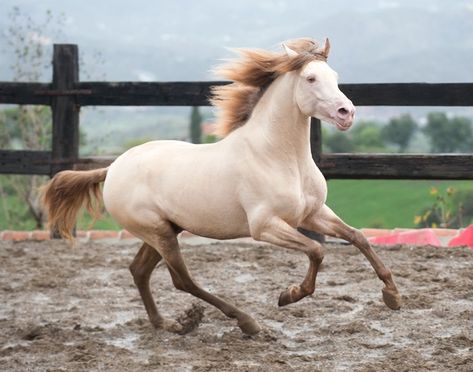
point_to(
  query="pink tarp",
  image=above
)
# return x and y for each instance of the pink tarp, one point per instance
(412, 237)
(465, 238)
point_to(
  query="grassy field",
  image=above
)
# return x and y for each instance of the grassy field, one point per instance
(361, 203)
(384, 203)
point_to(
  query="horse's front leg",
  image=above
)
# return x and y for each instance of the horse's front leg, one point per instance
(278, 232)
(325, 221)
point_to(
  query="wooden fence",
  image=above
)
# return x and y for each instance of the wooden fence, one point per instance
(66, 95)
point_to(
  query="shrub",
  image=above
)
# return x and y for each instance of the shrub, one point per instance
(450, 208)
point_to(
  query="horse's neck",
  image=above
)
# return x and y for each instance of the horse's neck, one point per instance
(278, 123)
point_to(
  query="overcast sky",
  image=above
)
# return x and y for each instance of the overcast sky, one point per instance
(373, 40)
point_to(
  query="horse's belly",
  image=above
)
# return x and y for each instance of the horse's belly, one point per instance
(207, 211)
(221, 223)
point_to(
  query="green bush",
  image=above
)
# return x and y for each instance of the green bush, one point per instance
(450, 209)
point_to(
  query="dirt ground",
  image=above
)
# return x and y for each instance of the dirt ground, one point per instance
(74, 309)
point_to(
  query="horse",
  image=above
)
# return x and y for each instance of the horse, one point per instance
(259, 181)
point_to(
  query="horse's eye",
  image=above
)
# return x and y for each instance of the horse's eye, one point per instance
(311, 79)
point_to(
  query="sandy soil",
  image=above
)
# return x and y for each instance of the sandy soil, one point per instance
(73, 309)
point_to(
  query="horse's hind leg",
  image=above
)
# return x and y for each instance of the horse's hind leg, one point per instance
(325, 221)
(141, 268)
(278, 232)
(168, 248)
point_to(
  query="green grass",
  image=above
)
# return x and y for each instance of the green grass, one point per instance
(384, 203)
(106, 222)
(17, 216)
(14, 214)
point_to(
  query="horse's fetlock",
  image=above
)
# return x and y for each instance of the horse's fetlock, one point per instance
(385, 275)
(357, 236)
(307, 289)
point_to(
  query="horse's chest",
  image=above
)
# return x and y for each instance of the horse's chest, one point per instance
(299, 197)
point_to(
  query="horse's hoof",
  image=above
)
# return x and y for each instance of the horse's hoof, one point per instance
(288, 296)
(391, 298)
(249, 326)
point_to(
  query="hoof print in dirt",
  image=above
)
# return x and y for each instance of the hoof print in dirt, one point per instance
(191, 319)
(32, 333)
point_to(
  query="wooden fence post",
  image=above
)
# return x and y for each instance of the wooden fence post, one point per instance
(65, 111)
(316, 139)
(316, 148)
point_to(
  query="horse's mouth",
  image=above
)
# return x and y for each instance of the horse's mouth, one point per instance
(342, 127)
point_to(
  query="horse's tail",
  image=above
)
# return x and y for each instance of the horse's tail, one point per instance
(67, 192)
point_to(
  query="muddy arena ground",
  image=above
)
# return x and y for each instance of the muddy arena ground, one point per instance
(77, 309)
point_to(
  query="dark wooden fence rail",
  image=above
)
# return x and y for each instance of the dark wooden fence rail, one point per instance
(66, 94)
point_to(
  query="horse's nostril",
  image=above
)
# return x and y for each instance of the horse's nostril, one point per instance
(343, 111)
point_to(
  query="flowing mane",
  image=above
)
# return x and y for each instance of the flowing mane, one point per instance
(251, 74)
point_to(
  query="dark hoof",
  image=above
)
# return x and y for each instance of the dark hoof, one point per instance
(249, 326)
(289, 296)
(391, 298)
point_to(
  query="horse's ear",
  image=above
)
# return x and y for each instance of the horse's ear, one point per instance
(326, 48)
(289, 51)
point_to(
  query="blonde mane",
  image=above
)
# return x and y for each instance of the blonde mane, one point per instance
(251, 74)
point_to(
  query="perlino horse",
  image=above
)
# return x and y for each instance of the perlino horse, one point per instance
(259, 181)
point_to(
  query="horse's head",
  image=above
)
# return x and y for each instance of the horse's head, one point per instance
(317, 93)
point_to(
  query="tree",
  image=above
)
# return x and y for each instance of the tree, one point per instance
(399, 131)
(367, 136)
(195, 125)
(339, 142)
(27, 127)
(464, 130)
(449, 135)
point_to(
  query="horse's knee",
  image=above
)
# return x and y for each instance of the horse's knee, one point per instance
(316, 253)
(358, 239)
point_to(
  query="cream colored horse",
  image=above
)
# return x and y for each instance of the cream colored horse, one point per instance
(259, 181)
